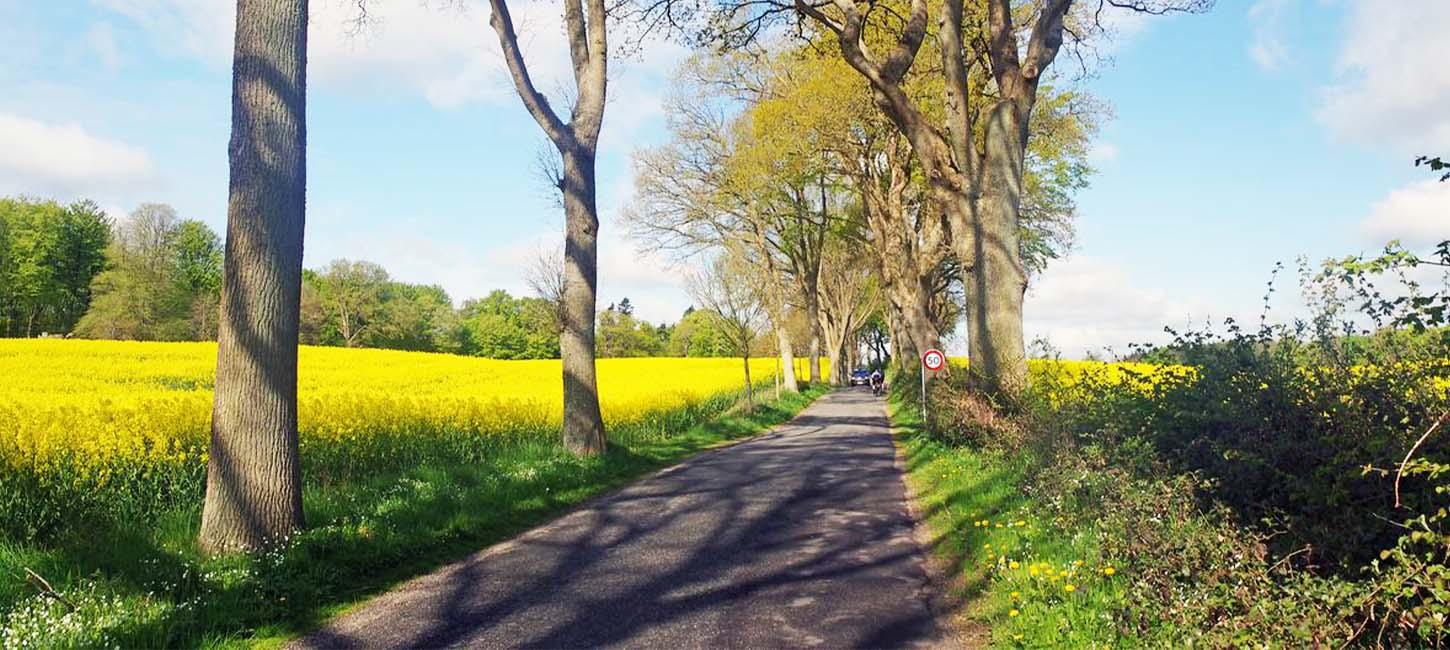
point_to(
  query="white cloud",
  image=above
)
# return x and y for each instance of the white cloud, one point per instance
(1418, 215)
(39, 157)
(1267, 47)
(443, 51)
(1394, 84)
(200, 28)
(1087, 304)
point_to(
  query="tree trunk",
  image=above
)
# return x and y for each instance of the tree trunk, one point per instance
(916, 316)
(836, 354)
(254, 478)
(896, 347)
(813, 314)
(997, 283)
(787, 359)
(583, 424)
(749, 387)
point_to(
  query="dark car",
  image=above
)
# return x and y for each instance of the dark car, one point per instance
(860, 377)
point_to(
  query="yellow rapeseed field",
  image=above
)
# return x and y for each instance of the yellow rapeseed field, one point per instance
(107, 404)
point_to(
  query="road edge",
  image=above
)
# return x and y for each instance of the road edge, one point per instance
(960, 630)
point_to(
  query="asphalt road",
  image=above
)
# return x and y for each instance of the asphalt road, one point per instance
(798, 538)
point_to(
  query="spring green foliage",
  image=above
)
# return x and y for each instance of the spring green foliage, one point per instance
(48, 255)
(144, 584)
(1254, 499)
(162, 280)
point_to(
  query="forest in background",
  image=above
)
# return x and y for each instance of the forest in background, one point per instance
(73, 270)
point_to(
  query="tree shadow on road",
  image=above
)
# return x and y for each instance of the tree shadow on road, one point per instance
(798, 536)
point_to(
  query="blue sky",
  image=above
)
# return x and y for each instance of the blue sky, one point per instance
(1259, 132)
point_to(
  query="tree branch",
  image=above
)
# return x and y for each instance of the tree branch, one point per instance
(537, 105)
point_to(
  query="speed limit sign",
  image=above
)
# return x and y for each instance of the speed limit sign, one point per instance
(933, 359)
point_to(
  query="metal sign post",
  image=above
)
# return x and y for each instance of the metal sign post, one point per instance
(932, 360)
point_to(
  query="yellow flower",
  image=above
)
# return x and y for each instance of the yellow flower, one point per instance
(1016, 637)
(1013, 564)
(1069, 588)
(1014, 613)
(1021, 523)
(1109, 571)
(1016, 595)
(1033, 571)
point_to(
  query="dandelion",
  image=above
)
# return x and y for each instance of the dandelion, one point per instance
(1013, 565)
(1069, 588)
(1014, 613)
(1016, 595)
(1109, 571)
(1021, 522)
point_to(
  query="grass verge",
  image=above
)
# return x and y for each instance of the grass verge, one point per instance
(1020, 571)
(151, 588)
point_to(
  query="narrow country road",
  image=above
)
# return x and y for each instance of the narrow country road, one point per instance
(798, 538)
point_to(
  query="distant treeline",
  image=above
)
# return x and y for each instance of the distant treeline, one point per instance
(70, 270)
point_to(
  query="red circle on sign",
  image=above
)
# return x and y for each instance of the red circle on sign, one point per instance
(933, 359)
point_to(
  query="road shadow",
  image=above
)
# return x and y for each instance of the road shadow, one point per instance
(797, 537)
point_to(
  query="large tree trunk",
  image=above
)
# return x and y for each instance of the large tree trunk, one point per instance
(916, 316)
(998, 280)
(787, 359)
(813, 315)
(583, 423)
(254, 477)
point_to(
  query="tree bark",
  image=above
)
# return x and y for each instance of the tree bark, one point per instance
(787, 359)
(813, 315)
(998, 282)
(583, 422)
(749, 387)
(254, 478)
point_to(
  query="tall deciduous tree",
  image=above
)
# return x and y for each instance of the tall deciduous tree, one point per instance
(160, 283)
(49, 255)
(577, 143)
(972, 151)
(254, 478)
(724, 290)
(352, 295)
(717, 182)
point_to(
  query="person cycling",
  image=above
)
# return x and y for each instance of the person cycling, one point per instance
(878, 382)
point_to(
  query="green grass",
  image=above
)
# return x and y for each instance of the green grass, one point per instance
(149, 587)
(1010, 559)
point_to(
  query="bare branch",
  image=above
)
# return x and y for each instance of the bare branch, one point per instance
(537, 105)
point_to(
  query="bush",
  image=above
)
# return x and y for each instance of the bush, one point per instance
(1250, 482)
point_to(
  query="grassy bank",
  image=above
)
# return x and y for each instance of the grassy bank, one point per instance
(148, 586)
(1032, 578)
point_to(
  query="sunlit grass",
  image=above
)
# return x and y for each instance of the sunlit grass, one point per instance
(1029, 578)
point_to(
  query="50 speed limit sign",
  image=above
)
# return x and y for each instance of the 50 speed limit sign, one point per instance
(933, 359)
